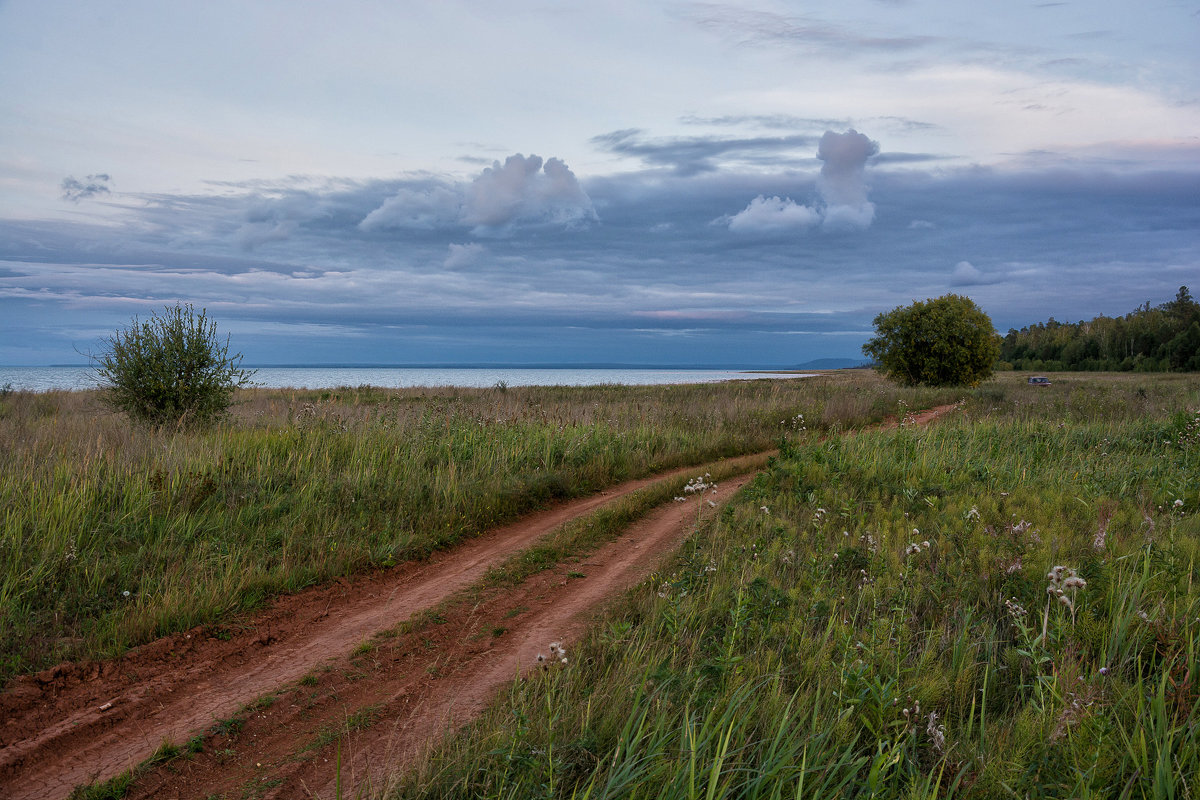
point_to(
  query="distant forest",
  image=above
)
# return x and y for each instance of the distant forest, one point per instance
(1164, 338)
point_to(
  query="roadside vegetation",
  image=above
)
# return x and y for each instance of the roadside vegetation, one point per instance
(1003, 604)
(114, 534)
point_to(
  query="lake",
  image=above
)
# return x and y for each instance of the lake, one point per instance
(44, 379)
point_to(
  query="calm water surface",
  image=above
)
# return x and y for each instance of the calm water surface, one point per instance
(43, 379)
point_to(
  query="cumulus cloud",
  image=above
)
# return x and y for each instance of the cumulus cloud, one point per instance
(424, 208)
(773, 215)
(842, 184)
(966, 274)
(463, 255)
(848, 218)
(521, 191)
(75, 190)
(526, 190)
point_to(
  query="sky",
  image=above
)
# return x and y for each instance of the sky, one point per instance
(746, 183)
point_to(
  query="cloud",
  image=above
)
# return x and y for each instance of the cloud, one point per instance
(1117, 234)
(692, 155)
(75, 190)
(521, 191)
(254, 234)
(772, 215)
(842, 183)
(463, 255)
(848, 218)
(966, 274)
(524, 190)
(843, 189)
(808, 34)
(780, 121)
(420, 208)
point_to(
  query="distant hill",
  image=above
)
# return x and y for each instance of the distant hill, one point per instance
(832, 363)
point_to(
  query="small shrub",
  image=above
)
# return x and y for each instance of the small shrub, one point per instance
(171, 368)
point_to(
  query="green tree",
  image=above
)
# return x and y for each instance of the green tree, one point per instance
(170, 368)
(948, 341)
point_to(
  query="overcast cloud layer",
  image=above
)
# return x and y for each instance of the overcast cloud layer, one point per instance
(702, 183)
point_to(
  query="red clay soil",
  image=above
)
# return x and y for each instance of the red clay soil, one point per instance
(300, 697)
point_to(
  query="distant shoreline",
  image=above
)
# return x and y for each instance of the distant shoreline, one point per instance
(77, 378)
(484, 365)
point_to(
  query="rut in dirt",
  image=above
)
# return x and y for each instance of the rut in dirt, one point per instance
(77, 724)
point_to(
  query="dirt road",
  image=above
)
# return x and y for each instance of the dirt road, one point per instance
(301, 697)
(81, 723)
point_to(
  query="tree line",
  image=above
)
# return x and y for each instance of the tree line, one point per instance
(1163, 338)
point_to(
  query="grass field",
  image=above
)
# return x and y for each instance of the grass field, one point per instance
(1005, 604)
(114, 534)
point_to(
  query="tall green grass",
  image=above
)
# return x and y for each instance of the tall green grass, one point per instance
(114, 534)
(871, 619)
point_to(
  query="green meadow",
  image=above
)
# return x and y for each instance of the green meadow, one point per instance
(114, 534)
(1004, 604)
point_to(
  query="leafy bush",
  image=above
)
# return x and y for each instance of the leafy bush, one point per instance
(949, 341)
(170, 368)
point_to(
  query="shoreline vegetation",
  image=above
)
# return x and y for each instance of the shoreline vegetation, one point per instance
(1004, 604)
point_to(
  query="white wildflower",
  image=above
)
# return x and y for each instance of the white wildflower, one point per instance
(1063, 580)
(936, 733)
